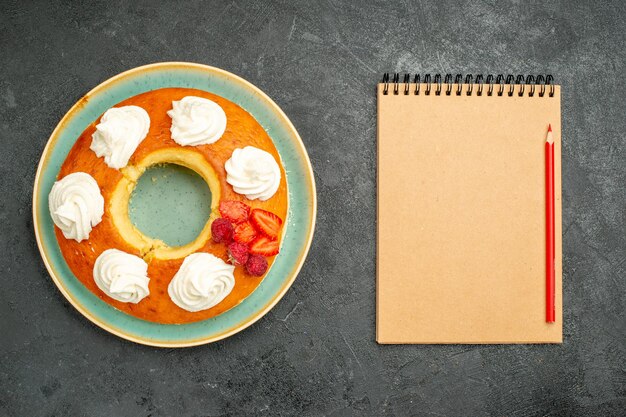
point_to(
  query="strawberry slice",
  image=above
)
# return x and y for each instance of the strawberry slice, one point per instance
(234, 211)
(244, 233)
(266, 223)
(263, 245)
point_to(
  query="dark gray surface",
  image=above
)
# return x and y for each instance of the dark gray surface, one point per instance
(315, 354)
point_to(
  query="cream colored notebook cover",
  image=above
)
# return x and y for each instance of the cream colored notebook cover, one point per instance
(461, 214)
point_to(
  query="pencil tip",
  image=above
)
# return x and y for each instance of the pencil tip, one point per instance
(549, 138)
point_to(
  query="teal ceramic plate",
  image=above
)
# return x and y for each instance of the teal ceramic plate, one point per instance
(298, 230)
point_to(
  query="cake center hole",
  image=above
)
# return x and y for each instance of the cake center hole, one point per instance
(171, 203)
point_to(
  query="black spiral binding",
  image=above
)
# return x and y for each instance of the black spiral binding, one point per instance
(474, 84)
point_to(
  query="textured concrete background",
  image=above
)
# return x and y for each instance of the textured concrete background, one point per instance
(314, 354)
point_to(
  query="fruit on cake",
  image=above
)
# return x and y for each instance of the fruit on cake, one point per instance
(143, 276)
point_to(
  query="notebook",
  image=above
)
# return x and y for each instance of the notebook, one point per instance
(461, 232)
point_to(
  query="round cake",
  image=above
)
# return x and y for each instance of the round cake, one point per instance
(143, 276)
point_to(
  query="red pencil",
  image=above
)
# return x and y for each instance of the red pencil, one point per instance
(550, 249)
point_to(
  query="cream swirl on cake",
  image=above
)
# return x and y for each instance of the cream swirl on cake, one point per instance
(196, 121)
(202, 282)
(119, 133)
(253, 172)
(76, 205)
(122, 276)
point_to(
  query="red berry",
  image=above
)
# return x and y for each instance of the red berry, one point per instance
(263, 245)
(244, 233)
(221, 231)
(234, 211)
(266, 222)
(256, 265)
(238, 253)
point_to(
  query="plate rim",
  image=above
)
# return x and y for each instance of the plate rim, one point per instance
(236, 328)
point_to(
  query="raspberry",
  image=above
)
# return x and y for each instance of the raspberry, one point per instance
(221, 231)
(256, 265)
(238, 253)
